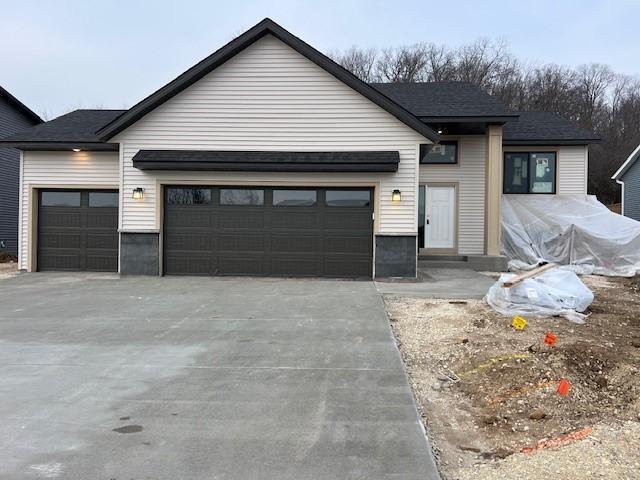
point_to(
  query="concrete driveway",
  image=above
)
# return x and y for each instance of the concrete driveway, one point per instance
(202, 378)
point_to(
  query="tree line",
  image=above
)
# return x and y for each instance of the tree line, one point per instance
(595, 96)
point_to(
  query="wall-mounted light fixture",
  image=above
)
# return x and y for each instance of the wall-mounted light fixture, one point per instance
(396, 196)
(138, 193)
(75, 149)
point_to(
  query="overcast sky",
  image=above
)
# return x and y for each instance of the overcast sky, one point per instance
(59, 55)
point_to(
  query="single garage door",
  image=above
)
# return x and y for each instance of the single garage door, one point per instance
(268, 231)
(78, 230)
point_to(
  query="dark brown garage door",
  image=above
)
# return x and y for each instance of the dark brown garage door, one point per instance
(78, 230)
(268, 231)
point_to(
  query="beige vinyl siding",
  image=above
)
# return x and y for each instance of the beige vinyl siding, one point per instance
(470, 176)
(572, 170)
(64, 170)
(269, 97)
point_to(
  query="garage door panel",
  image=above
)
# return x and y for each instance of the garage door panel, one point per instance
(183, 217)
(77, 236)
(105, 262)
(241, 265)
(271, 235)
(60, 219)
(188, 264)
(241, 243)
(304, 218)
(60, 239)
(239, 219)
(102, 240)
(189, 241)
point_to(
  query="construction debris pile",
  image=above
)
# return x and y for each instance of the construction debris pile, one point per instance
(573, 230)
(545, 291)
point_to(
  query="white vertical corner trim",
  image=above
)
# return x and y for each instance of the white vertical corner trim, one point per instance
(60, 170)
(270, 97)
(21, 219)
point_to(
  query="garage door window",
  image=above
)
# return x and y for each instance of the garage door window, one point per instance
(241, 196)
(60, 199)
(294, 198)
(103, 199)
(348, 198)
(189, 196)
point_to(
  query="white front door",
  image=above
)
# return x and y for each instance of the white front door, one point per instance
(440, 217)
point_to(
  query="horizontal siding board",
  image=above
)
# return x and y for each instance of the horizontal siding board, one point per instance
(631, 199)
(12, 121)
(63, 169)
(572, 170)
(269, 97)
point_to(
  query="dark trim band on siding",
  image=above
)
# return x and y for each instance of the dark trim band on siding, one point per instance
(62, 146)
(551, 142)
(267, 161)
(266, 26)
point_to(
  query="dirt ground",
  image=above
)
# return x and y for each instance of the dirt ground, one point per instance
(8, 269)
(487, 393)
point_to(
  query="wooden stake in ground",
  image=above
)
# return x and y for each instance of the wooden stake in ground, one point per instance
(526, 275)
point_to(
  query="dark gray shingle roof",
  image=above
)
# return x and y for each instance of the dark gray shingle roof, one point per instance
(445, 99)
(546, 128)
(77, 126)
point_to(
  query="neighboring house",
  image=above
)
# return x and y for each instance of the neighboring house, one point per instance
(628, 175)
(267, 158)
(14, 116)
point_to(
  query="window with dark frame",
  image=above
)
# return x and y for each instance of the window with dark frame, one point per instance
(442, 153)
(529, 172)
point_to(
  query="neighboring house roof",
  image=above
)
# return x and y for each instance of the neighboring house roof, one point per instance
(30, 114)
(74, 129)
(546, 128)
(452, 101)
(268, 161)
(235, 46)
(635, 155)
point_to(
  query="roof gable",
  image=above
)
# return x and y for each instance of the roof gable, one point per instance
(624, 168)
(231, 49)
(21, 107)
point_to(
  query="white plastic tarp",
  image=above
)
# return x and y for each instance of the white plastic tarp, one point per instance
(555, 292)
(574, 230)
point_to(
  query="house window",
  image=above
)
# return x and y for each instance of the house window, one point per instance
(348, 198)
(241, 196)
(529, 172)
(188, 196)
(445, 152)
(294, 198)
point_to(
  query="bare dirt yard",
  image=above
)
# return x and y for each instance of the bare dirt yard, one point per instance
(8, 269)
(488, 393)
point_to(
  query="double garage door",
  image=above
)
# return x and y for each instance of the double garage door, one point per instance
(268, 231)
(78, 230)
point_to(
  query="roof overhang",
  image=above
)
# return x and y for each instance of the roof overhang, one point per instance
(267, 161)
(627, 164)
(265, 27)
(471, 119)
(550, 142)
(62, 146)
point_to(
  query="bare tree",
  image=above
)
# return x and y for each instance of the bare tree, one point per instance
(358, 61)
(403, 64)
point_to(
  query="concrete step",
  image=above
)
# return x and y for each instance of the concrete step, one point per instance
(427, 264)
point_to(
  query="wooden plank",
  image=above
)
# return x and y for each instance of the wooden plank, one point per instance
(526, 275)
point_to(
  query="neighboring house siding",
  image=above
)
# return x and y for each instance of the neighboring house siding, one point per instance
(572, 170)
(269, 97)
(11, 121)
(631, 180)
(470, 176)
(61, 169)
